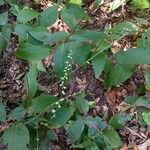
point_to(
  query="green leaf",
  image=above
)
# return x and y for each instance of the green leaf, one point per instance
(77, 11)
(69, 19)
(119, 120)
(3, 18)
(42, 103)
(48, 16)
(95, 123)
(2, 2)
(146, 117)
(142, 102)
(112, 138)
(2, 112)
(17, 137)
(98, 63)
(133, 56)
(81, 103)
(118, 74)
(78, 2)
(3, 43)
(88, 35)
(62, 115)
(122, 29)
(26, 15)
(40, 33)
(75, 131)
(32, 52)
(17, 114)
(55, 37)
(22, 31)
(92, 146)
(144, 41)
(116, 4)
(31, 81)
(81, 52)
(147, 79)
(141, 4)
(50, 136)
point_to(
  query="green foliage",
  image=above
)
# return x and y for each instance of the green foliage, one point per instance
(81, 103)
(112, 138)
(61, 117)
(122, 29)
(41, 114)
(2, 112)
(32, 52)
(31, 81)
(48, 17)
(17, 137)
(141, 4)
(26, 15)
(4, 18)
(75, 130)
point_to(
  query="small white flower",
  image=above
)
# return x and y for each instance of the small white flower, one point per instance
(63, 92)
(57, 103)
(53, 110)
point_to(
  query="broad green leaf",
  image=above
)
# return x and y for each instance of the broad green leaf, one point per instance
(40, 33)
(40, 66)
(22, 31)
(2, 112)
(50, 136)
(116, 4)
(146, 117)
(55, 37)
(95, 123)
(122, 29)
(144, 41)
(32, 52)
(42, 103)
(17, 137)
(88, 35)
(141, 4)
(3, 43)
(119, 120)
(76, 129)
(31, 83)
(69, 19)
(92, 146)
(133, 56)
(81, 103)
(6, 31)
(26, 15)
(142, 102)
(3, 18)
(118, 74)
(17, 114)
(2, 2)
(131, 99)
(147, 79)
(62, 115)
(98, 63)
(81, 52)
(78, 2)
(48, 16)
(77, 11)
(112, 138)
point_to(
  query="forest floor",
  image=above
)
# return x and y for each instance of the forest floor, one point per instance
(107, 102)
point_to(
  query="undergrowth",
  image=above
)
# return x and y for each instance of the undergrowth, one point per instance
(35, 120)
